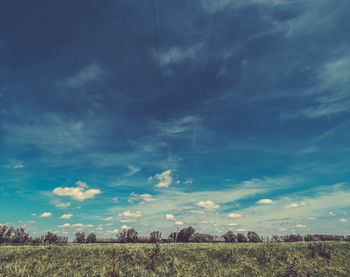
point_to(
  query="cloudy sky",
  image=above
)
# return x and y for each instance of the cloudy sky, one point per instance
(81, 138)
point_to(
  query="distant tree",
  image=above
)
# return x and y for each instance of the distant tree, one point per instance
(20, 236)
(241, 238)
(229, 236)
(80, 237)
(253, 237)
(128, 236)
(201, 238)
(172, 237)
(50, 238)
(5, 233)
(185, 234)
(156, 236)
(91, 238)
(311, 238)
(276, 238)
(292, 238)
(347, 238)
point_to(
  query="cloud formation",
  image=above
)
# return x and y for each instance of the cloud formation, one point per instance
(77, 193)
(66, 216)
(208, 205)
(165, 179)
(46, 214)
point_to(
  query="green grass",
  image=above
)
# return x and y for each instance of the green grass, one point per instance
(275, 259)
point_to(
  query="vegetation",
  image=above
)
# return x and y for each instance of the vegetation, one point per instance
(180, 259)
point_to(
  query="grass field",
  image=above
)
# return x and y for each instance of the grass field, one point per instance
(274, 259)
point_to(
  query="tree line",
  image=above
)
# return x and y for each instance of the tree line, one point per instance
(10, 235)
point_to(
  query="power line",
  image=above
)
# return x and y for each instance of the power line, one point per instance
(162, 95)
(195, 146)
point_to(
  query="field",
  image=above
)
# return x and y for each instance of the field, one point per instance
(273, 259)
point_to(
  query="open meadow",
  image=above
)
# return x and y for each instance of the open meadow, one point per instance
(190, 259)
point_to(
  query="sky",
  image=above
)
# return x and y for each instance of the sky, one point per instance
(82, 146)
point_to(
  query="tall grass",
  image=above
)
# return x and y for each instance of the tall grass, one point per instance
(274, 259)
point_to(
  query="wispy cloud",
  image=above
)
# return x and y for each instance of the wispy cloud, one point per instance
(90, 73)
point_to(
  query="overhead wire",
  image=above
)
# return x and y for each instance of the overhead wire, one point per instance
(195, 145)
(162, 94)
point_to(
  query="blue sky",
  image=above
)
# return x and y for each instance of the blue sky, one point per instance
(81, 138)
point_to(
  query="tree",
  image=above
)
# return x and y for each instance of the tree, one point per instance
(253, 237)
(5, 234)
(80, 237)
(230, 237)
(311, 238)
(185, 234)
(50, 238)
(276, 238)
(172, 237)
(292, 238)
(128, 235)
(156, 236)
(201, 238)
(20, 236)
(241, 238)
(91, 238)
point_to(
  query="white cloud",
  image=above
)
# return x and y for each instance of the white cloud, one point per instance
(115, 199)
(332, 214)
(295, 205)
(66, 216)
(169, 217)
(300, 226)
(209, 205)
(46, 214)
(83, 226)
(311, 218)
(241, 230)
(232, 224)
(234, 215)
(165, 179)
(178, 223)
(132, 170)
(143, 198)
(282, 229)
(343, 220)
(115, 231)
(131, 214)
(81, 184)
(99, 228)
(125, 227)
(110, 218)
(34, 214)
(66, 225)
(264, 201)
(16, 166)
(76, 193)
(62, 205)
